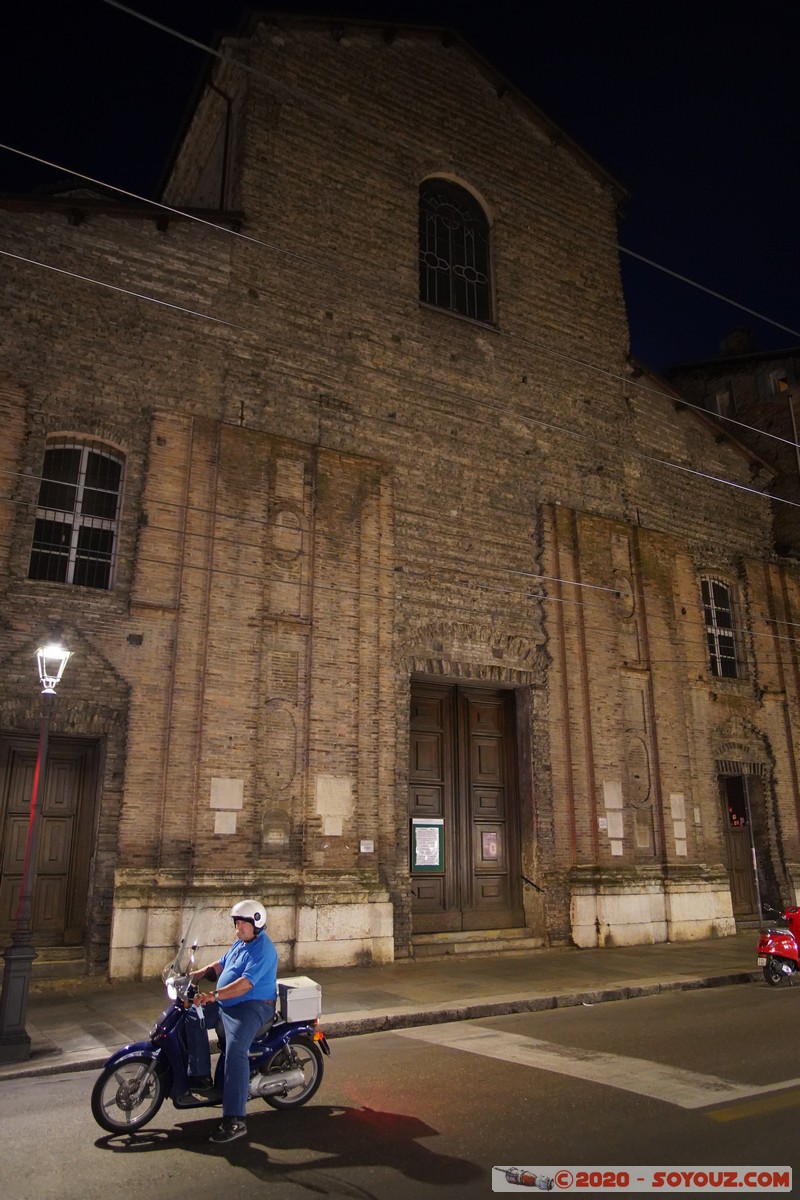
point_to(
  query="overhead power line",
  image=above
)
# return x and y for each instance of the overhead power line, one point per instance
(308, 259)
(527, 585)
(512, 414)
(463, 583)
(368, 281)
(113, 287)
(384, 136)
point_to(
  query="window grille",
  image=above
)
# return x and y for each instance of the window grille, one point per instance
(77, 515)
(720, 637)
(453, 250)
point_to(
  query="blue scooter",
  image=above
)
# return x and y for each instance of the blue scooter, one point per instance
(286, 1063)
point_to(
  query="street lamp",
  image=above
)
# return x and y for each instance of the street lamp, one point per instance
(15, 1044)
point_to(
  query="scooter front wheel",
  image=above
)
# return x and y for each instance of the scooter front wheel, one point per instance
(303, 1053)
(773, 972)
(128, 1094)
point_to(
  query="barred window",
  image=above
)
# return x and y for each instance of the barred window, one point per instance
(77, 515)
(720, 635)
(453, 250)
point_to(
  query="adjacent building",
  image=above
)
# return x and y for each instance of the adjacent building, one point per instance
(397, 595)
(756, 395)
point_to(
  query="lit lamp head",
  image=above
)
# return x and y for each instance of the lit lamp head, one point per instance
(51, 659)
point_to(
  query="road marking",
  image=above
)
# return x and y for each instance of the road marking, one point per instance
(685, 1089)
(757, 1107)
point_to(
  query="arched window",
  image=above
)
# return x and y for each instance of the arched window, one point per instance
(77, 514)
(453, 250)
(720, 628)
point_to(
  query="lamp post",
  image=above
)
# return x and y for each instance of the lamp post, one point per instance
(15, 1044)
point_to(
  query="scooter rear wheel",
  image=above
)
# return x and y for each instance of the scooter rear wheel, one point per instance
(128, 1095)
(773, 972)
(301, 1052)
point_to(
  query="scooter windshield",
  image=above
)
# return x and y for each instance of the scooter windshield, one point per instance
(181, 963)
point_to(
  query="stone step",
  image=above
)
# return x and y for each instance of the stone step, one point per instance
(68, 967)
(474, 942)
(472, 935)
(56, 962)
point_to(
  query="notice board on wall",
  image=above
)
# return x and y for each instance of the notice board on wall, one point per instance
(427, 844)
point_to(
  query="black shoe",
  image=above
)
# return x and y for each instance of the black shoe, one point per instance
(200, 1083)
(230, 1129)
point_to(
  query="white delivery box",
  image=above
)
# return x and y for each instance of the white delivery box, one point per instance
(299, 998)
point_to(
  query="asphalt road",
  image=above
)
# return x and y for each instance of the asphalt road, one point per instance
(707, 1078)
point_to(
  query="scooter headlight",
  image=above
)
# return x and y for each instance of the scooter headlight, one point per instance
(177, 986)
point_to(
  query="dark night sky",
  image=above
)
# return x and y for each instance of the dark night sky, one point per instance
(692, 104)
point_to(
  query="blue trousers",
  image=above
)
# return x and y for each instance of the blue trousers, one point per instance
(240, 1023)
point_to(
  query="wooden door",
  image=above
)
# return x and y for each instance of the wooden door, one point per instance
(463, 808)
(739, 846)
(65, 837)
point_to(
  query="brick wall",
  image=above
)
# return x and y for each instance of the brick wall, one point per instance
(339, 489)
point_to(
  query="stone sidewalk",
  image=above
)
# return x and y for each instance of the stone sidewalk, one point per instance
(75, 1025)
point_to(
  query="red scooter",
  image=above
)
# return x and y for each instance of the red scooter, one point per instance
(779, 948)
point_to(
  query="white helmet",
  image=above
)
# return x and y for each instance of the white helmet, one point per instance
(250, 910)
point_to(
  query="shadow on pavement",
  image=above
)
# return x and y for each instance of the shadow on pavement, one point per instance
(344, 1138)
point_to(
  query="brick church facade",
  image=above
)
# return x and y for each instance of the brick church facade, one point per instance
(397, 595)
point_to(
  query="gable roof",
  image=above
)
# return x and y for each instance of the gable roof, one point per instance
(337, 27)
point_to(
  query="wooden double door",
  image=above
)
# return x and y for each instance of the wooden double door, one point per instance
(739, 845)
(66, 836)
(463, 809)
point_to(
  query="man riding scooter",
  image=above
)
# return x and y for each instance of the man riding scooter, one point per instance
(244, 1000)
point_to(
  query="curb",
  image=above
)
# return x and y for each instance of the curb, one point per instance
(405, 1019)
(354, 1024)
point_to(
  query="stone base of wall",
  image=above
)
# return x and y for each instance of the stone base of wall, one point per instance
(313, 924)
(637, 907)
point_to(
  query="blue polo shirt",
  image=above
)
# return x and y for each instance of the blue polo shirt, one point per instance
(256, 961)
